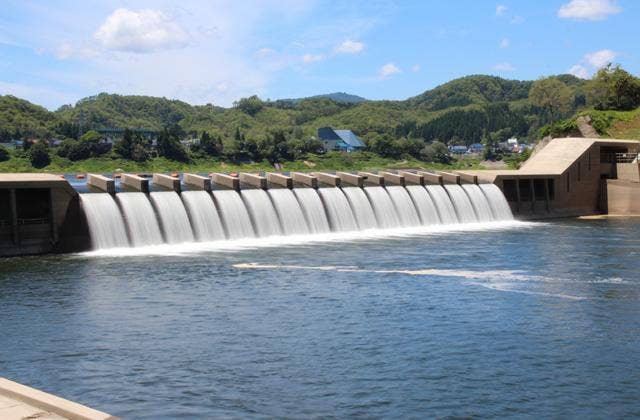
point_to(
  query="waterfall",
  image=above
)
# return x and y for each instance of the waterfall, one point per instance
(137, 219)
(479, 202)
(234, 214)
(262, 212)
(202, 211)
(462, 204)
(313, 209)
(106, 224)
(290, 212)
(361, 207)
(426, 209)
(404, 205)
(443, 204)
(340, 215)
(499, 204)
(383, 207)
(140, 219)
(173, 217)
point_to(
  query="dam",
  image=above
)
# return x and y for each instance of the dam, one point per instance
(41, 213)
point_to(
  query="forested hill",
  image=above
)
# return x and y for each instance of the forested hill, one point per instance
(464, 110)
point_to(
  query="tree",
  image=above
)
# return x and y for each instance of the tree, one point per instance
(39, 155)
(4, 154)
(124, 147)
(435, 152)
(614, 88)
(211, 146)
(553, 96)
(250, 106)
(170, 147)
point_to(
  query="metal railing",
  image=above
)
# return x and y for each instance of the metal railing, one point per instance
(626, 157)
(618, 157)
(40, 221)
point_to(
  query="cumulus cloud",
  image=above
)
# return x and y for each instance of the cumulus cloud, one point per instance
(504, 67)
(349, 47)
(501, 10)
(599, 59)
(588, 9)
(505, 43)
(389, 69)
(312, 58)
(579, 71)
(592, 62)
(141, 31)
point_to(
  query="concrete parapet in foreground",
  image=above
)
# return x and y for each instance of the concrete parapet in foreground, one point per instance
(305, 179)
(102, 183)
(280, 180)
(167, 181)
(350, 179)
(372, 179)
(226, 181)
(22, 402)
(253, 180)
(449, 178)
(197, 181)
(412, 178)
(430, 178)
(328, 179)
(135, 182)
(392, 179)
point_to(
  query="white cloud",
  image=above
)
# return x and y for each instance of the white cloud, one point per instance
(505, 43)
(64, 51)
(265, 52)
(593, 61)
(349, 47)
(501, 10)
(415, 68)
(389, 69)
(600, 58)
(504, 67)
(312, 58)
(588, 9)
(141, 31)
(579, 71)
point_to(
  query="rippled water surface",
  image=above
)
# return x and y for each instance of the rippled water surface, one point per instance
(539, 320)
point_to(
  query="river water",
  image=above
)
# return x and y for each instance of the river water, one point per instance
(532, 320)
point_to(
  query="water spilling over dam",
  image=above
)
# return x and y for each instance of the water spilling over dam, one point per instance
(136, 219)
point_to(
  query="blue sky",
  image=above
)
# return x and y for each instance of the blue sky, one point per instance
(216, 51)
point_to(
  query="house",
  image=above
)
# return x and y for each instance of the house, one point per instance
(458, 149)
(476, 148)
(343, 140)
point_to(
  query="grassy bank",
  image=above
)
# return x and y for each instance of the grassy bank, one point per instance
(329, 161)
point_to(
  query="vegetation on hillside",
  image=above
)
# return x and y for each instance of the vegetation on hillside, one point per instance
(468, 110)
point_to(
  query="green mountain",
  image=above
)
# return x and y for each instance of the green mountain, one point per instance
(464, 110)
(336, 96)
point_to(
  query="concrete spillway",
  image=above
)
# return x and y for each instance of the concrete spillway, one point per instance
(138, 219)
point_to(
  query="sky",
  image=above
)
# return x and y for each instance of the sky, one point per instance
(56, 52)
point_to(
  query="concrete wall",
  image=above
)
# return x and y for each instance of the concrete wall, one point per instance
(623, 197)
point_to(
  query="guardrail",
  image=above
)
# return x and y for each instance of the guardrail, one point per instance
(40, 221)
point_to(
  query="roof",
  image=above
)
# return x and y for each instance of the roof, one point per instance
(34, 180)
(350, 138)
(555, 158)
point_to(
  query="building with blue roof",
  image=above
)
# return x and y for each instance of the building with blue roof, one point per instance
(342, 140)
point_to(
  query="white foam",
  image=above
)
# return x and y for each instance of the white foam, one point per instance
(278, 241)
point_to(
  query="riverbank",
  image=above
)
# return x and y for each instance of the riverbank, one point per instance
(329, 161)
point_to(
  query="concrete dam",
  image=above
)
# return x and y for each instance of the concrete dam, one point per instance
(138, 219)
